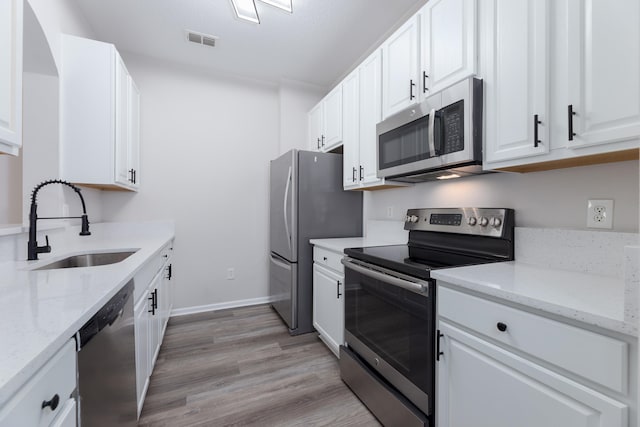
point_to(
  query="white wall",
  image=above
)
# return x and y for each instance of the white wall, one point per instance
(542, 199)
(206, 142)
(296, 99)
(38, 160)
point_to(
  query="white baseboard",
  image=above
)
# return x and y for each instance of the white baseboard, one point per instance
(220, 306)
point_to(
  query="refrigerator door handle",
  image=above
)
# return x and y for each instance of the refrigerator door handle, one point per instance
(277, 261)
(286, 196)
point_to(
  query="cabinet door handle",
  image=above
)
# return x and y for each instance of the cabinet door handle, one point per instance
(411, 86)
(438, 352)
(425, 89)
(501, 326)
(361, 173)
(570, 114)
(169, 271)
(323, 140)
(53, 403)
(536, 122)
(156, 299)
(353, 175)
(338, 294)
(131, 175)
(318, 143)
(152, 298)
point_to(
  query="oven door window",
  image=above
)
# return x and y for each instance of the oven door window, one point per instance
(395, 323)
(406, 144)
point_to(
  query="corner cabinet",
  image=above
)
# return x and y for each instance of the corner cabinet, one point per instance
(509, 367)
(562, 83)
(328, 297)
(11, 12)
(325, 122)
(99, 116)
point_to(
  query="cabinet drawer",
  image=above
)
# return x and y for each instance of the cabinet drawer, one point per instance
(56, 377)
(328, 259)
(590, 355)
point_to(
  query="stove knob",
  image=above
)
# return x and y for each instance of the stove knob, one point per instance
(483, 221)
(407, 218)
(472, 221)
(413, 218)
(495, 222)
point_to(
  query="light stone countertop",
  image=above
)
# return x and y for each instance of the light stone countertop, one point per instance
(587, 298)
(340, 244)
(41, 310)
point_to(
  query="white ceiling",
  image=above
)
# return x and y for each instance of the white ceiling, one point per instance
(316, 44)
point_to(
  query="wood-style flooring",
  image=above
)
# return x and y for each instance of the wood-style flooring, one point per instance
(240, 367)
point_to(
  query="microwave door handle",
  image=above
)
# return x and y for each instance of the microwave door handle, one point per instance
(392, 280)
(432, 130)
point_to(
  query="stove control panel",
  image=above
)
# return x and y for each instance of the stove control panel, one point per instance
(492, 222)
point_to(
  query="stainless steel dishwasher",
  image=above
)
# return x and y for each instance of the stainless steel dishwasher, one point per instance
(107, 365)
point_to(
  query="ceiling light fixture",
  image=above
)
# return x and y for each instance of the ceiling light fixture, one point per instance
(285, 5)
(246, 9)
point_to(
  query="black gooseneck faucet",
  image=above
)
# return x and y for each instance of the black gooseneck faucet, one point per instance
(32, 247)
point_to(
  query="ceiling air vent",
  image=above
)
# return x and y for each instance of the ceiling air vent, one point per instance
(200, 38)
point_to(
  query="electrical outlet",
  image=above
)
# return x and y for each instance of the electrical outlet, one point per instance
(600, 214)
(231, 273)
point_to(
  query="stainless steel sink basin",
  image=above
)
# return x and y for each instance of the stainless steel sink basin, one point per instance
(88, 260)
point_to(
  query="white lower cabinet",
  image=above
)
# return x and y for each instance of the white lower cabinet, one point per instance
(328, 298)
(151, 314)
(47, 399)
(502, 367)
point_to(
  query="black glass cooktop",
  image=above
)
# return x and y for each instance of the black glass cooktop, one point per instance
(413, 260)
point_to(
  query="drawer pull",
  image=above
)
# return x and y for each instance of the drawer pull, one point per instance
(501, 326)
(324, 258)
(53, 403)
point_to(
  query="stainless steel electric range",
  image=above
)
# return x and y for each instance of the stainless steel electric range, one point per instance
(389, 357)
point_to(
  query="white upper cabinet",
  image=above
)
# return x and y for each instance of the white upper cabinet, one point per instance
(400, 63)
(515, 70)
(351, 130)
(332, 134)
(448, 44)
(315, 127)
(11, 12)
(603, 78)
(577, 66)
(325, 122)
(99, 116)
(370, 115)
(133, 155)
(362, 110)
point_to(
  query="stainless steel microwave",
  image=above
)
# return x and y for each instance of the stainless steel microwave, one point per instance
(439, 138)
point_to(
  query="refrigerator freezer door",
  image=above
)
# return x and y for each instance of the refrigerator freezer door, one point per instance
(283, 286)
(283, 202)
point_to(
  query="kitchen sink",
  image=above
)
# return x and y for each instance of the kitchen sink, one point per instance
(88, 260)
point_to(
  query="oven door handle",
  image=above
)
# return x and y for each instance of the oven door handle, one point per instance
(419, 287)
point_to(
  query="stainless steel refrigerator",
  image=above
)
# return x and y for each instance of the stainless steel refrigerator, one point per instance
(307, 201)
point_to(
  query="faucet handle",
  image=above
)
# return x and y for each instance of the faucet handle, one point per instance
(46, 248)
